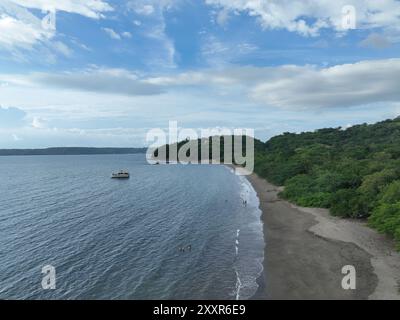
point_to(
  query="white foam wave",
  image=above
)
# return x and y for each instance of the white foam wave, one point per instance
(249, 266)
(238, 286)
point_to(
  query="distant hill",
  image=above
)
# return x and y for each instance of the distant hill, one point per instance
(69, 151)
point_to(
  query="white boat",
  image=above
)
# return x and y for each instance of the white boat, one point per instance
(120, 175)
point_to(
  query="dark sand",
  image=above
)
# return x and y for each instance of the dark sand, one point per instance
(305, 254)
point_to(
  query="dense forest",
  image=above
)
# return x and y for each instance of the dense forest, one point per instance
(354, 172)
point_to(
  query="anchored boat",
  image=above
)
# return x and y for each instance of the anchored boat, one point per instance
(120, 175)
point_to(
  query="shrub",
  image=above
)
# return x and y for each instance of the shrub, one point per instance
(386, 219)
(347, 203)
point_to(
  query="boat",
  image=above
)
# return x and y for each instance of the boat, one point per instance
(120, 175)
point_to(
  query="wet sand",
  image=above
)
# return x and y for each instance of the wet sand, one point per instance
(307, 248)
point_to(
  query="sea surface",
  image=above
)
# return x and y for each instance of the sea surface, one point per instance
(122, 239)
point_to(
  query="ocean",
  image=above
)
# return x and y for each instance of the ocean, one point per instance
(123, 239)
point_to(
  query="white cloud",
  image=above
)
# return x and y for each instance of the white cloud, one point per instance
(16, 33)
(286, 87)
(213, 46)
(308, 17)
(37, 123)
(346, 85)
(112, 34)
(144, 9)
(301, 87)
(117, 36)
(217, 52)
(22, 29)
(89, 8)
(223, 17)
(62, 48)
(93, 79)
(126, 34)
(19, 28)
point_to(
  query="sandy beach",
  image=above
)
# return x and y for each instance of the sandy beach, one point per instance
(306, 249)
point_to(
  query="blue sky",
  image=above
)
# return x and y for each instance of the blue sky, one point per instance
(107, 71)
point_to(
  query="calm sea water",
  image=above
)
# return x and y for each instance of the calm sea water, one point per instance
(120, 239)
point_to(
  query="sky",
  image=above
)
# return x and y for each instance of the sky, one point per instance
(105, 72)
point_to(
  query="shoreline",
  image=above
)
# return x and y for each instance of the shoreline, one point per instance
(306, 248)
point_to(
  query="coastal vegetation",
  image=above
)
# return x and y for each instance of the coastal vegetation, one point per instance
(355, 172)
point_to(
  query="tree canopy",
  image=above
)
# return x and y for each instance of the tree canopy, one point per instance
(354, 172)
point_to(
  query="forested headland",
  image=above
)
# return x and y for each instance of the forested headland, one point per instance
(354, 172)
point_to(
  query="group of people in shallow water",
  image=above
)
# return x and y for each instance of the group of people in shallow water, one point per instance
(183, 249)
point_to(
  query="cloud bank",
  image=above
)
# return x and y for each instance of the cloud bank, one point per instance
(98, 80)
(302, 87)
(286, 87)
(309, 17)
